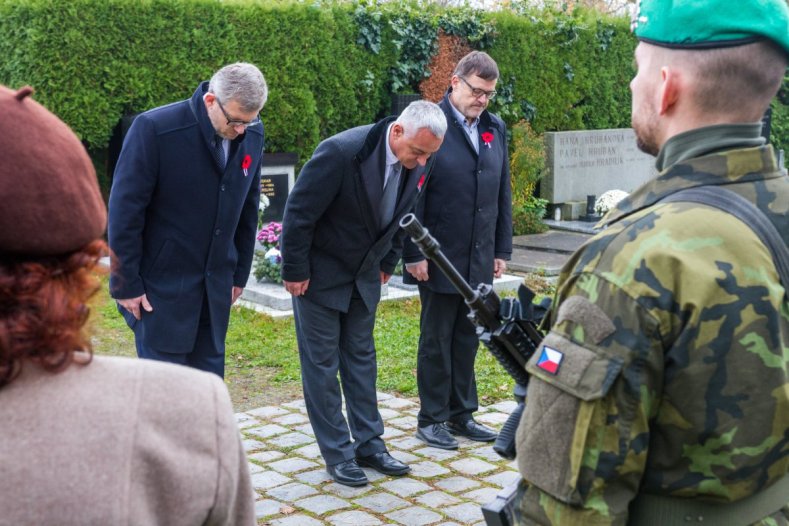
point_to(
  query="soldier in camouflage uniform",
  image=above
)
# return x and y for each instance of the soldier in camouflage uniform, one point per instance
(661, 393)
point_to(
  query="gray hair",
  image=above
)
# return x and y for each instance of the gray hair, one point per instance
(241, 82)
(423, 114)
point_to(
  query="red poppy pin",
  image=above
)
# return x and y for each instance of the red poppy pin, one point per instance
(487, 138)
(420, 183)
(245, 164)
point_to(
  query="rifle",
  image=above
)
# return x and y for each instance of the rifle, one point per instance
(508, 329)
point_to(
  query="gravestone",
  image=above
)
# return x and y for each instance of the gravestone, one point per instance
(585, 163)
(277, 175)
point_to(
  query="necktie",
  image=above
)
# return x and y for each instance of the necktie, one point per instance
(389, 197)
(219, 152)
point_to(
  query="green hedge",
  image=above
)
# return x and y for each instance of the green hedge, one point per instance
(92, 61)
(329, 65)
(568, 72)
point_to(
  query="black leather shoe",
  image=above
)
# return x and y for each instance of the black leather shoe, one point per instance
(436, 435)
(472, 430)
(384, 463)
(347, 473)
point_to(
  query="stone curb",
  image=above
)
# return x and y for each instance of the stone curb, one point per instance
(272, 299)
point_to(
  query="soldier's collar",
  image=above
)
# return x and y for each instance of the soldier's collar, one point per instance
(709, 139)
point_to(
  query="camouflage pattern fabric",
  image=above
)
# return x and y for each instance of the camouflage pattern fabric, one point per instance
(666, 369)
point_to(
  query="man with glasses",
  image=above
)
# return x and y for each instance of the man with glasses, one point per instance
(467, 207)
(183, 212)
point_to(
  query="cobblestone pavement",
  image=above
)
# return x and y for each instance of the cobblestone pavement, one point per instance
(443, 488)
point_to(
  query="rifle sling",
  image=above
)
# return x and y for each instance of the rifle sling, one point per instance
(746, 212)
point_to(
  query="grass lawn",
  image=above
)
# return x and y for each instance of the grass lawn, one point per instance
(262, 360)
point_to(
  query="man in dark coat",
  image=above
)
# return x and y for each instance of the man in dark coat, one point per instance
(340, 241)
(468, 209)
(183, 212)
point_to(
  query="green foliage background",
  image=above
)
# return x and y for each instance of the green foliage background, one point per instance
(330, 65)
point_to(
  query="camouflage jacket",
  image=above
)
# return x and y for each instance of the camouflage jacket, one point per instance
(666, 369)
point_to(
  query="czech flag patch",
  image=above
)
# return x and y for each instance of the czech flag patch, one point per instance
(550, 360)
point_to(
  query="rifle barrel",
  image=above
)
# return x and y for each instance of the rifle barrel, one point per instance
(432, 251)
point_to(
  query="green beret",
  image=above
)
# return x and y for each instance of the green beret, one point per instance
(705, 24)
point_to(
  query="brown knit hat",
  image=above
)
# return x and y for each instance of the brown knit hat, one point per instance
(51, 203)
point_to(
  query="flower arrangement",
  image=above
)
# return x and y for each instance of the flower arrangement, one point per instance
(608, 200)
(268, 260)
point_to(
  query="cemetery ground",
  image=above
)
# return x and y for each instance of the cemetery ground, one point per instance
(292, 487)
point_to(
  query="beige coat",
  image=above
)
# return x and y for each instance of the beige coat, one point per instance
(121, 442)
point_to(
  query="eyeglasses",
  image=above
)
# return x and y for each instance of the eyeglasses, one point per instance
(478, 92)
(236, 122)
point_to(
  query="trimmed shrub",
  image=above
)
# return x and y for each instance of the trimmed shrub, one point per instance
(329, 65)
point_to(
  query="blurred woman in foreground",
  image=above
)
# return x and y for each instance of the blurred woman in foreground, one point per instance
(90, 439)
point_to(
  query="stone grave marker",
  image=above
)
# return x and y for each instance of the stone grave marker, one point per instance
(277, 175)
(584, 163)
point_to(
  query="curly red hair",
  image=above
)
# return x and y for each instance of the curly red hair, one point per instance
(44, 308)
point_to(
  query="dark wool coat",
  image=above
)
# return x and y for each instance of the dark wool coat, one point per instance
(467, 206)
(180, 228)
(330, 232)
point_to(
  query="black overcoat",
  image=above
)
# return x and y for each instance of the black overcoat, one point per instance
(181, 229)
(467, 206)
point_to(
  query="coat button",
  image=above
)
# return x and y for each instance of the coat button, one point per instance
(222, 188)
(217, 232)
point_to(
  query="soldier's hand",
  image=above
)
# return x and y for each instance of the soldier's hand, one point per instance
(385, 277)
(297, 288)
(418, 270)
(134, 305)
(499, 266)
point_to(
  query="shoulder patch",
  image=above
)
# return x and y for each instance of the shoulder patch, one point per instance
(550, 360)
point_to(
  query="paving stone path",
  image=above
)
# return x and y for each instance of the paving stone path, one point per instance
(443, 488)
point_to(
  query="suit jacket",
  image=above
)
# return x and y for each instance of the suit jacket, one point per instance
(179, 227)
(330, 231)
(121, 441)
(467, 206)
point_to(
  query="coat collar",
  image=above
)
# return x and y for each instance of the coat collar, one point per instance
(373, 138)
(411, 181)
(486, 121)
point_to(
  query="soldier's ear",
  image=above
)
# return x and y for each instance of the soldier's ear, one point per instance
(670, 88)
